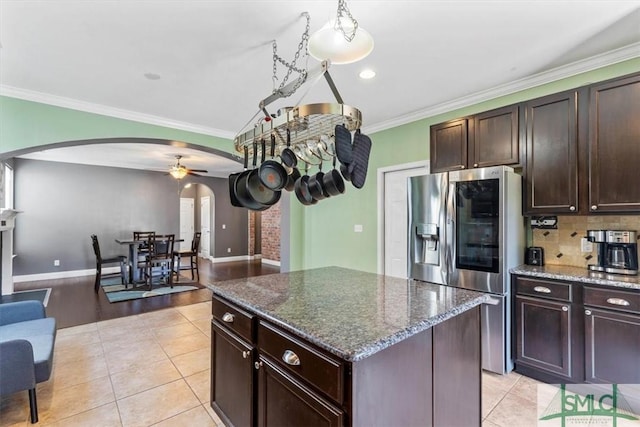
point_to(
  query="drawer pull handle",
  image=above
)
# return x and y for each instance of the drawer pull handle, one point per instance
(290, 358)
(565, 308)
(618, 301)
(245, 354)
(228, 317)
(257, 365)
(542, 289)
(587, 312)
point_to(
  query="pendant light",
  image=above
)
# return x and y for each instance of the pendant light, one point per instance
(341, 40)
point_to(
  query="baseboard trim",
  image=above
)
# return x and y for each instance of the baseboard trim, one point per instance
(62, 274)
(271, 262)
(234, 258)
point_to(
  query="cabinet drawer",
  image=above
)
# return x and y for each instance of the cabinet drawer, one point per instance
(544, 289)
(612, 299)
(233, 317)
(299, 358)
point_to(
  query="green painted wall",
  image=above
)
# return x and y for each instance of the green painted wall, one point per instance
(25, 124)
(321, 235)
(328, 237)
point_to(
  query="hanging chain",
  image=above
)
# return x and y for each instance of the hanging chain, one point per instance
(342, 10)
(293, 66)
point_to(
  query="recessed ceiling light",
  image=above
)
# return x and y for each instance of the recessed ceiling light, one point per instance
(152, 76)
(367, 74)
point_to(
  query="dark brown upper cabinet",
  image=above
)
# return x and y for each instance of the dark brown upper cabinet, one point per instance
(551, 167)
(486, 139)
(614, 145)
(495, 138)
(448, 146)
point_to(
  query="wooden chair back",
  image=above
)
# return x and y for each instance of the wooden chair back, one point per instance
(195, 243)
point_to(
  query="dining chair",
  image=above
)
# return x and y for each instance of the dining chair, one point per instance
(158, 262)
(143, 248)
(101, 261)
(193, 258)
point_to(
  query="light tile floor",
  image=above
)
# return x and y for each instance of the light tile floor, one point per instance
(153, 369)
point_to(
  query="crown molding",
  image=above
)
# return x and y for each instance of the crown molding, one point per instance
(609, 58)
(88, 107)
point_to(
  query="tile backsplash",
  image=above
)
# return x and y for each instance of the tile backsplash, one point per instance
(562, 246)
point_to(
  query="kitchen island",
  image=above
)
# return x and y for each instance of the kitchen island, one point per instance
(334, 346)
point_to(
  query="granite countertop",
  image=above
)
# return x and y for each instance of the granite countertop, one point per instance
(577, 274)
(349, 313)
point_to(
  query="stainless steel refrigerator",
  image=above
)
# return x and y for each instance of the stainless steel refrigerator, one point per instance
(466, 230)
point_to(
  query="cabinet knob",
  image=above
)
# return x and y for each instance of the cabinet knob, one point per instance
(228, 317)
(461, 166)
(594, 207)
(565, 308)
(475, 165)
(572, 208)
(246, 354)
(542, 289)
(290, 358)
(257, 365)
(587, 312)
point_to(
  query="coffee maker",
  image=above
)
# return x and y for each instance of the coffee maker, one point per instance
(617, 251)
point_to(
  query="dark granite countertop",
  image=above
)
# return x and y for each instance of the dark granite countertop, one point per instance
(577, 274)
(349, 313)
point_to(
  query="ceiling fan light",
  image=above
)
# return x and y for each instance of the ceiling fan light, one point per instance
(178, 172)
(330, 43)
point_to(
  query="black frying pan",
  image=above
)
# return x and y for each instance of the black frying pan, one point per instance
(256, 190)
(242, 194)
(288, 156)
(272, 174)
(292, 178)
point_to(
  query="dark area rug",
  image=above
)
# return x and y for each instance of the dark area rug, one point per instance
(116, 292)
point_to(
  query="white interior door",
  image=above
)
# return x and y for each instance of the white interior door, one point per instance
(205, 226)
(395, 220)
(186, 222)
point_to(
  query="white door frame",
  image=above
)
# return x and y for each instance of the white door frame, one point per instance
(381, 198)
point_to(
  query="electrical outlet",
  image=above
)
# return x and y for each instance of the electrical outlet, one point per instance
(585, 245)
(229, 250)
(224, 226)
(56, 263)
(357, 228)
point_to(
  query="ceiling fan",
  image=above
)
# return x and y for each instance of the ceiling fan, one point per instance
(179, 171)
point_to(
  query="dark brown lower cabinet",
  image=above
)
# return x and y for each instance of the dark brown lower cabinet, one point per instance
(285, 401)
(432, 378)
(544, 334)
(612, 342)
(578, 333)
(231, 377)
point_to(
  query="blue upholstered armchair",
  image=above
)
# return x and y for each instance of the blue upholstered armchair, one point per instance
(27, 338)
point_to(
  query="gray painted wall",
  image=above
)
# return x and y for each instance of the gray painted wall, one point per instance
(65, 203)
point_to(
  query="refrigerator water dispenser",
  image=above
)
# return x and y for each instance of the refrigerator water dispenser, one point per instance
(429, 234)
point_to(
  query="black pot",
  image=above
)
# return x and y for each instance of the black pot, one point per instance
(301, 188)
(291, 179)
(316, 188)
(333, 183)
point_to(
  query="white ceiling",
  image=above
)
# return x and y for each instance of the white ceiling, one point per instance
(214, 58)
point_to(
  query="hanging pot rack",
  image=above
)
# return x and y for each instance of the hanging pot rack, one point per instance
(305, 123)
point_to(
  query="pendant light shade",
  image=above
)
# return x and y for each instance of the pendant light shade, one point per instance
(178, 172)
(330, 43)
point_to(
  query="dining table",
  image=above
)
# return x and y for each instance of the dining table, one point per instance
(134, 244)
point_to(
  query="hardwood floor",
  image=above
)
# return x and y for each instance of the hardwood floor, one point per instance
(74, 302)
